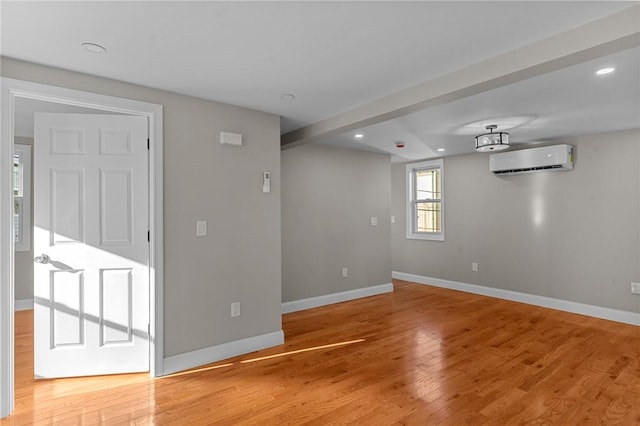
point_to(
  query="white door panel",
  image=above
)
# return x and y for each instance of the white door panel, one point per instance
(91, 220)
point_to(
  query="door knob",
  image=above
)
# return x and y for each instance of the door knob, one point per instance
(43, 258)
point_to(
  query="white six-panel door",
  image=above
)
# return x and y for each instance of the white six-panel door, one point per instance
(91, 276)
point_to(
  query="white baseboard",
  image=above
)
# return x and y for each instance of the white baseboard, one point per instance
(23, 304)
(328, 299)
(531, 299)
(211, 354)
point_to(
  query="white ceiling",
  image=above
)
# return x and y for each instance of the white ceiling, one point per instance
(565, 103)
(339, 56)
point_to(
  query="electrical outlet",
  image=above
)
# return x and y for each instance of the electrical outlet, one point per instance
(635, 288)
(474, 267)
(345, 272)
(201, 228)
(235, 309)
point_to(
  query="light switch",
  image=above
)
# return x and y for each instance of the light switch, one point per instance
(201, 228)
(266, 182)
(374, 221)
(235, 309)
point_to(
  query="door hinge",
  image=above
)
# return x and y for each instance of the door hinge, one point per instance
(149, 329)
(148, 144)
(149, 236)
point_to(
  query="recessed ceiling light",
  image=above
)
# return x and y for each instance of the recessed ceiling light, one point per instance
(94, 48)
(358, 136)
(440, 149)
(605, 71)
(287, 97)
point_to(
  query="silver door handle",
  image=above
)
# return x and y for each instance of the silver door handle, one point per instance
(43, 258)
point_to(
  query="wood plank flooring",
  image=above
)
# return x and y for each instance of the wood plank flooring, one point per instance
(419, 356)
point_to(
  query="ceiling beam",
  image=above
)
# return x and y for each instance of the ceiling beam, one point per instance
(595, 39)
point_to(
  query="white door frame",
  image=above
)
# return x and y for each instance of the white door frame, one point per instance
(13, 89)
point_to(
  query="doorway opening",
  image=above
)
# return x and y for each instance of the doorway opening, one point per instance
(14, 90)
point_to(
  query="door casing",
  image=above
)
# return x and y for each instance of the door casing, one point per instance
(13, 89)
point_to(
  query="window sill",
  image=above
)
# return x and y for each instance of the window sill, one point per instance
(428, 237)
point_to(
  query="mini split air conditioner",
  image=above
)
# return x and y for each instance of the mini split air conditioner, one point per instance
(556, 157)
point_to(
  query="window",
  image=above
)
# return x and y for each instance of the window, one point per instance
(21, 197)
(425, 200)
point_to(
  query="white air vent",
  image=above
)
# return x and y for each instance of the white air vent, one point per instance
(556, 157)
(227, 138)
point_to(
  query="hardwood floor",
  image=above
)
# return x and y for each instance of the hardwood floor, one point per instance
(419, 356)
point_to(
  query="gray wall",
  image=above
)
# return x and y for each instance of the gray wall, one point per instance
(567, 235)
(240, 259)
(329, 195)
(23, 262)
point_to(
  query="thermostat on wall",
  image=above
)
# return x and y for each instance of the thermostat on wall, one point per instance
(227, 138)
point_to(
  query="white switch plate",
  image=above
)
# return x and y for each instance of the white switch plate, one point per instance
(266, 182)
(474, 267)
(635, 288)
(374, 221)
(345, 272)
(393, 219)
(235, 309)
(201, 228)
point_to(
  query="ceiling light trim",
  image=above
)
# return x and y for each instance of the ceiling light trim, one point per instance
(605, 71)
(94, 48)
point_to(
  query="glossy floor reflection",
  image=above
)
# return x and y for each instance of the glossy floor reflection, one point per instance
(418, 356)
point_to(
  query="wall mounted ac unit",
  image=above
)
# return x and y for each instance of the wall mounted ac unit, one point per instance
(556, 157)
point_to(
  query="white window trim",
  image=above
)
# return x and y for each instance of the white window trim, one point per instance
(410, 182)
(24, 241)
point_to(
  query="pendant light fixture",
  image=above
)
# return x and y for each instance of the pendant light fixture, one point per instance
(492, 141)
